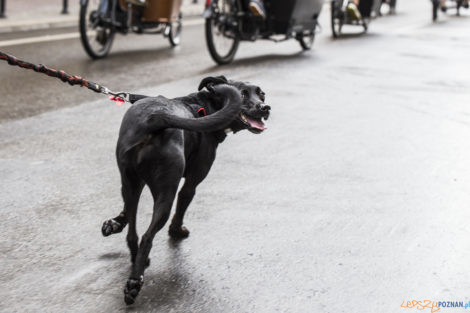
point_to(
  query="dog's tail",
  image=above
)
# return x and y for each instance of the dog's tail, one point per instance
(216, 121)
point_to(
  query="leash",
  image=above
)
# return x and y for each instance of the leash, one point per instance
(119, 97)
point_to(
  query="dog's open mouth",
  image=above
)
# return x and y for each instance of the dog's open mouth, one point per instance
(255, 125)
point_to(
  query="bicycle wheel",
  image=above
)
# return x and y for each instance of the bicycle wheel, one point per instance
(96, 35)
(221, 33)
(306, 39)
(175, 31)
(336, 19)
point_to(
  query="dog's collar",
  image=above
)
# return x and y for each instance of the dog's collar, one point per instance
(198, 110)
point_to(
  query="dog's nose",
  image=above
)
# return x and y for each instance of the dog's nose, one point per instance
(262, 107)
(265, 108)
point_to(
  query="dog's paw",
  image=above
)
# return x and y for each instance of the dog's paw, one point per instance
(132, 289)
(178, 232)
(112, 227)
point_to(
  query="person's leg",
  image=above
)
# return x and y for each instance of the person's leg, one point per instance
(443, 6)
(353, 10)
(103, 9)
(257, 8)
(393, 4)
(365, 7)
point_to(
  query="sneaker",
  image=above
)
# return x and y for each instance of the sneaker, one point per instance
(353, 12)
(137, 2)
(257, 8)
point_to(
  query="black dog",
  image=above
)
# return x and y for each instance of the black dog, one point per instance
(163, 140)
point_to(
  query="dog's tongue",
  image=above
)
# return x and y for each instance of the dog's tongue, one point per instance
(255, 124)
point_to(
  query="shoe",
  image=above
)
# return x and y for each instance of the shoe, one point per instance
(465, 4)
(353, 12)
(444, 9)
(141, 3)
(257, 8)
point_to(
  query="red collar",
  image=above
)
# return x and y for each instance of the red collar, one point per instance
(201, 111)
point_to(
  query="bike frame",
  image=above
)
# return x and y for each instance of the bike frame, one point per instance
(112, 20)
(212, 7)
(342, 5)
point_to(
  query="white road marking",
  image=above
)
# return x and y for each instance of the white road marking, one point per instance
(49, 38)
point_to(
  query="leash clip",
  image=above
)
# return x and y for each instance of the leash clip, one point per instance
(124, 96)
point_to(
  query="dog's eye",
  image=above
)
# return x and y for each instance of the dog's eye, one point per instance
(260, 93)
(245, 94)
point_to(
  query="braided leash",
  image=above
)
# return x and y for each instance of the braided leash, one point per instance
(119, 97)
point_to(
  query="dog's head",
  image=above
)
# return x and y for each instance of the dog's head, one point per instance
(254, 112)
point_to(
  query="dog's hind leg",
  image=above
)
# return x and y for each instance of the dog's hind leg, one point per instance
(161, 213)
(114, 225)
(131, 201)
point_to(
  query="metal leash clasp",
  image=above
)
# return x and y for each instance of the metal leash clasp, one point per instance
(124, 96)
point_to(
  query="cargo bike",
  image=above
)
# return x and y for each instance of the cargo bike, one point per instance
(229, 21)
(340, 16)
(452, 4)
(100, 20)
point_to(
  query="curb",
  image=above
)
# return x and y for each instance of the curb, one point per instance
(64, 21)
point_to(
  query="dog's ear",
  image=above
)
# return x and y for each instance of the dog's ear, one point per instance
(211, 81)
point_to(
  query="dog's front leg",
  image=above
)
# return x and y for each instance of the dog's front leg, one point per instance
(185, 196)
(197, 170)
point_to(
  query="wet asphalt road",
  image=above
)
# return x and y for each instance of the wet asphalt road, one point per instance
(354, 200)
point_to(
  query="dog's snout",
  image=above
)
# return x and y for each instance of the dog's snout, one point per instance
(265, 108)
(262, 107)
